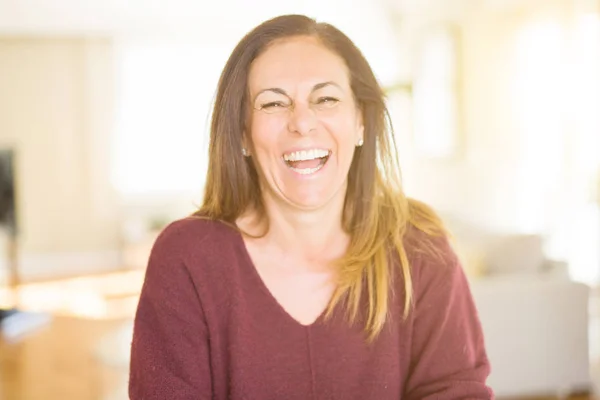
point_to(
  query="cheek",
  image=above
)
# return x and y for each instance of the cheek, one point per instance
(265, 132)
(343, 131)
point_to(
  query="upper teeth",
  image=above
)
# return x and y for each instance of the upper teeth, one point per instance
(305, 155)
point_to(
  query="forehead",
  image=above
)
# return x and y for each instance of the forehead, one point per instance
(297, 61)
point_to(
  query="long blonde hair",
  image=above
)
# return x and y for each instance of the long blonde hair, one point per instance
(377, 214)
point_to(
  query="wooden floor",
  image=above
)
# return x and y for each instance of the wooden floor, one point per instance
(59, 363)
(580, 397)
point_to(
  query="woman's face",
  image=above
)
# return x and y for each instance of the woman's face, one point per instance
(305, 123)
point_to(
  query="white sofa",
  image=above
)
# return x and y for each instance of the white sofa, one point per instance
(536, 333)
(535, 319)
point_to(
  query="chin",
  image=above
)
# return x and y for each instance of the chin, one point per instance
(307, 204)
(311, 199)
(308, 193)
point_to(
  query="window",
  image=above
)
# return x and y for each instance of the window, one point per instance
(165, 92)
(435, 94)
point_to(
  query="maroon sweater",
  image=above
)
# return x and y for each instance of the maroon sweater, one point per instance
(208, 328)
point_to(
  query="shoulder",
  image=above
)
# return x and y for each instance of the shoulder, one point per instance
(427, 241)
(433, 259)
(197, 255)
(426, 247)
(191, 232)
(192, 240)
(197, 228)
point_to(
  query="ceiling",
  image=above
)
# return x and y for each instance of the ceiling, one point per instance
(371, 24)
(76, 16)
(130, 16)
(219, 23)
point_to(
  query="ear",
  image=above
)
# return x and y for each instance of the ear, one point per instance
(360, 127)
(245, 144)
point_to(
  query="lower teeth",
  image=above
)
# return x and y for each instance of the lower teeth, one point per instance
(306, 171)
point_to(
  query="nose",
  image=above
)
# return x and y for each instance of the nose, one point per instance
(302, 120)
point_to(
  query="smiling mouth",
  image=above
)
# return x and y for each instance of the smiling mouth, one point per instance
(307, 162)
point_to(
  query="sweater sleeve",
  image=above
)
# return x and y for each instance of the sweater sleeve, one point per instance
(448, 358)
(169, 353)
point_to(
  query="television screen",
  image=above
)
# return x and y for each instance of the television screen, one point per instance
(7, 192)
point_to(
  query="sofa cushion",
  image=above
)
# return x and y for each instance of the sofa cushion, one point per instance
(487, 252)
(519, 253)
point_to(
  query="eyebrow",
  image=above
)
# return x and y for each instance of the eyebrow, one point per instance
(284, 93)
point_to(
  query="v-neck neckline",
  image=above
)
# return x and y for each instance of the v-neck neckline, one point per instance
(260, 283)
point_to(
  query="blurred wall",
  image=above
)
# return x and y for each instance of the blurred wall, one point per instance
(56, 112)
(507, 172)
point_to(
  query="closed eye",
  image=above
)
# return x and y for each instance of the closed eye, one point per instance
(328, 100)
(273, 105)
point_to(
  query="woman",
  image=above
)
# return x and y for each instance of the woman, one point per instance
(306, 273)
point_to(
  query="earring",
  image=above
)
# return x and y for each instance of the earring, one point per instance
(244, 152)
(360, 142)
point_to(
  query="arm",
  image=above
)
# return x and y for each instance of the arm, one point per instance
(448, 358)
(169, 353)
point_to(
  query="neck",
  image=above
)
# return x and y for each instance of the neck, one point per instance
(310, 234)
